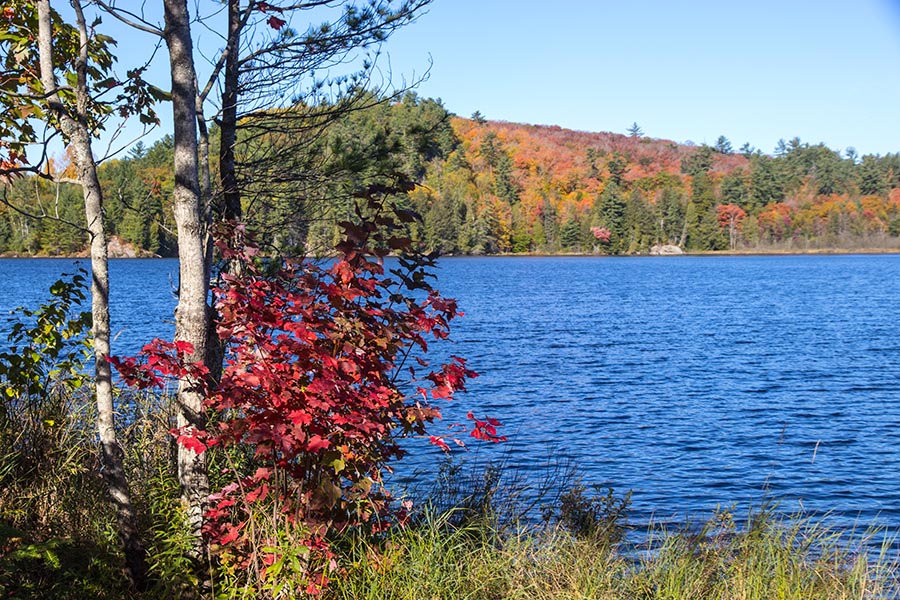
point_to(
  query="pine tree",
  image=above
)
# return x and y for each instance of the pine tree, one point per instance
(700, 161)
(570, 235)
(767, 181)
(873, 180)
(611, 209)
(617, 166)
(723, 146)
(640, 224)
(736, 188)
(671, 209)
(703, 232)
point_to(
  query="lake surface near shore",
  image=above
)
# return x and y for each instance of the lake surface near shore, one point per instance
(693, 381)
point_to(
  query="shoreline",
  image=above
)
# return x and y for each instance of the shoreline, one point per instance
(744, 252)
(740, 252)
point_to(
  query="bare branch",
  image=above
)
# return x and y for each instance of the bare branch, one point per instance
(43, 216)
(220, 63)
(129, 18)
(110, 152)
(43, 96)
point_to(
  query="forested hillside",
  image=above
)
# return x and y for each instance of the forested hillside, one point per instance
(496, 187)
(520, 188)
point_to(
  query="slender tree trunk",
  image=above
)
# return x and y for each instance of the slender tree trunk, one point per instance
(191, 314)
(231, 194)
(215, 348)
(203, 164)
(75, 129)
(230, 207)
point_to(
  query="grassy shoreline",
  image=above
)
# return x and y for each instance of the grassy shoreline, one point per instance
(767, 558)
(441, 558)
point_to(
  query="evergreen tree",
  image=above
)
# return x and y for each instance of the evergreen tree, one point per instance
(504, 186)
(489, 149)
(593, 171)
(781, 148)
(700, 161)
(138, 151)
(442, 225)
(635, 131)
(703, 232)
(639, 223)
(671, 208)
(570, 235)
(826, 171)
(890, 164)
(723, 146)
(736, 188)
(521, 240)
(873, 180)
(767, 183)
(617, 166)
(610, 206)
(58, 236)
(550, 223)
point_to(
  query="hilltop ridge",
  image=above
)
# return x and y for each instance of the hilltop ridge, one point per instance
(488, 186)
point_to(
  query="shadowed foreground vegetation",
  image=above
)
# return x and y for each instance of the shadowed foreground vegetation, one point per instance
(463, 554)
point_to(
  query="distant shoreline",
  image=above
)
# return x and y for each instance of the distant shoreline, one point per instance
(742, 252)
(746, 252)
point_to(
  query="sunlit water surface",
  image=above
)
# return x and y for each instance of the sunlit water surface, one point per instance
(695, 382)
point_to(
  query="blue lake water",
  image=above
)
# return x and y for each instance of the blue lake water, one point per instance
(693, 381)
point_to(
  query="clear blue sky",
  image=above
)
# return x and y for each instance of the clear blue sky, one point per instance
(824, 70)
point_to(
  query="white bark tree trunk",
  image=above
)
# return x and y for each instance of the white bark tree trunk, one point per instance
(191, 314)
(74, 127)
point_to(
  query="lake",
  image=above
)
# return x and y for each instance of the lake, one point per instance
(693, 381)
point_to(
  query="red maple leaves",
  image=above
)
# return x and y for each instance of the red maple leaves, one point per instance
(274, 22)
(313, 384)
(602, 234)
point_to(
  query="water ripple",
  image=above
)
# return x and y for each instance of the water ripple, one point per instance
(695, 382)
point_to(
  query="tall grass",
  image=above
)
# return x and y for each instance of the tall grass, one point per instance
(770, 557)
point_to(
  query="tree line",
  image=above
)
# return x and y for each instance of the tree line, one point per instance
(492, 187)
(518, 188)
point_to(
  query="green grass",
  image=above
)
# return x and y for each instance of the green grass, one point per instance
(769, 558)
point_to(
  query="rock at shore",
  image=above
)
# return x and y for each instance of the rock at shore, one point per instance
(119, 248)
(665, 250)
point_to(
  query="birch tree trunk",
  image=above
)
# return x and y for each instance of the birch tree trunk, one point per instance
(74, 127)
(191, 314)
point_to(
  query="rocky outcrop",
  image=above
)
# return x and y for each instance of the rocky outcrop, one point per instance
(665, 250)
(119, 248)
